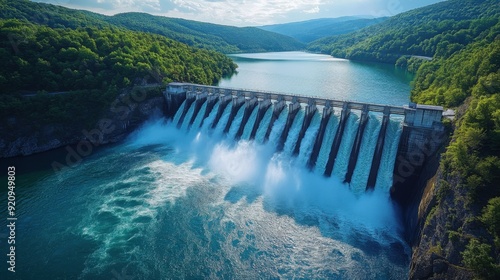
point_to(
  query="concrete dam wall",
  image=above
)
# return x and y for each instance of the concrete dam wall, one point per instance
(365, 145)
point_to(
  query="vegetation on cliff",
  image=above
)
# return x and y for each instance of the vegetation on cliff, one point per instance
(221, 38)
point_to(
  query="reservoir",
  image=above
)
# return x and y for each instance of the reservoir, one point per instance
(196, 203)
(321, 75)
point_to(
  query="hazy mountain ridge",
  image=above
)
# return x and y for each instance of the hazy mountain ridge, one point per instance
(311, 30)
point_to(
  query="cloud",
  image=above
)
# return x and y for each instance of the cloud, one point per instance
(314, 10)
(248, 12)
(245, 12)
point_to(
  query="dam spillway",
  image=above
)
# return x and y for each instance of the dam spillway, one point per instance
(362, 144)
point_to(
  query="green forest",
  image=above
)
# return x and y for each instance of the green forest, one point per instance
(221, 38)
(63, 72)
(42, 58)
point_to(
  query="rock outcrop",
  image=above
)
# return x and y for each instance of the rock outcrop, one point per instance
(125, 114)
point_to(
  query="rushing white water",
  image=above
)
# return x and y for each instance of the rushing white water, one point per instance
(178, 114)
(293, 133)
(207, 123)
(384, 176)
(197, 122)
(187, 118)
(192, 205)
(263, 126)
(278, 127)
(326, 145)
(219, 128)
(342, 160)
(166, 204)
(307, 144)
(365, 157)
(250, 123)
(235, 125)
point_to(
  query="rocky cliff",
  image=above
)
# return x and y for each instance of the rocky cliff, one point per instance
(128, 111)
(445, 226)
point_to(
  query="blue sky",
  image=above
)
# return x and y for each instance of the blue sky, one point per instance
(248, 12)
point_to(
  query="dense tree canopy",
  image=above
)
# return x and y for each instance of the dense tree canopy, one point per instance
(434, 31)
(226, 39)
(37, 57)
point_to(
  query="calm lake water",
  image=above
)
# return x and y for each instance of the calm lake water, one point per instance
(172, 203)
(321, 75)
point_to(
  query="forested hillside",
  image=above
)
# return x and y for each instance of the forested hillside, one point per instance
(37, 57)
(460, 235)
(226, 39)
(311, 30)
(436, 31)
(57, 72)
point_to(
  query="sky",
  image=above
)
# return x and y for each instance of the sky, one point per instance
(248, 12)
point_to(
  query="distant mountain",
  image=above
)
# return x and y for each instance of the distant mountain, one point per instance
(226, 39)
(310, 30)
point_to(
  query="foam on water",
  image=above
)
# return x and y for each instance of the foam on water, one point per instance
(200, 205)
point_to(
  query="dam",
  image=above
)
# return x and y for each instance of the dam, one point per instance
(327, 135)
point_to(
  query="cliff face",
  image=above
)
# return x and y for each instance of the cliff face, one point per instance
(124, 115)
(444, 225)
